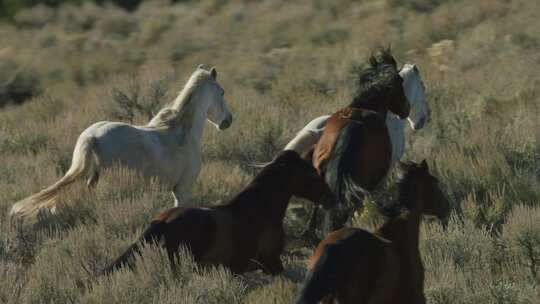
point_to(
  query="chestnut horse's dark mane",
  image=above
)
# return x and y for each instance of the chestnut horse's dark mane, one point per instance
(376, 78)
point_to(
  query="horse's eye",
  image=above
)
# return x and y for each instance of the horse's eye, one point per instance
(222, 92)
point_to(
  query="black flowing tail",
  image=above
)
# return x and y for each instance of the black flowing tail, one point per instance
(319, 280)
(151, 235)
(339, 173)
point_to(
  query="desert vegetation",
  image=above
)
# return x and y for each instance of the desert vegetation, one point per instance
(281, 63)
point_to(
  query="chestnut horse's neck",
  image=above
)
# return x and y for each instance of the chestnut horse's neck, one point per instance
(403, 231)
(267, 196)
(372, 104)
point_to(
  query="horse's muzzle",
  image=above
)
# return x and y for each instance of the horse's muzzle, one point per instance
(227, 122)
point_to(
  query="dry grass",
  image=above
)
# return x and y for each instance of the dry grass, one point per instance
(281, 64)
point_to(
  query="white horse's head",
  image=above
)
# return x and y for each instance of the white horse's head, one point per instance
(415, 91)
(218, 110)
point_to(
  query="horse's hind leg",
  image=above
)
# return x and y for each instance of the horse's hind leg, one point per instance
(92, 180)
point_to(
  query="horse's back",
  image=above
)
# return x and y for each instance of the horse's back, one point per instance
(304, 141)
(194, 228)
(318, 124)
(118, 142)
(138, 147)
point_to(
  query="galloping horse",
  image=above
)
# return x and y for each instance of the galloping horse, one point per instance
(167, 148)
(245, 234)
(414, 89)
(354, 152)
(352, 265)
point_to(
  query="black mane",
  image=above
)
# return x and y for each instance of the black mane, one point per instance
(375, 79)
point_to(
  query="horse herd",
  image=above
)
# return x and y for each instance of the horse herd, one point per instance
(334, 161)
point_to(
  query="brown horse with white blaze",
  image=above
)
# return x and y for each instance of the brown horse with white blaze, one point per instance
(352, 265)
(354, 152)
(245, 234)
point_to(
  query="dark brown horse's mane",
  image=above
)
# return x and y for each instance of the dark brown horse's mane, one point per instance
(376, 78)
(279, 163)
(272, 172)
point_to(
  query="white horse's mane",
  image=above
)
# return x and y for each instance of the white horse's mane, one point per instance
(179, 110)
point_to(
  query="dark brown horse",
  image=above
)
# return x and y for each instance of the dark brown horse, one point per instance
(354, 152)
(352, 265)
(245, 234)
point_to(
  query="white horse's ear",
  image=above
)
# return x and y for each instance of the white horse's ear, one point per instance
(213, 72)
(200, 66)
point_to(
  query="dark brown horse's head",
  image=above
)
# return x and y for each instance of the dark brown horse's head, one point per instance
(420, 191)
(381, 85)
(304, 180)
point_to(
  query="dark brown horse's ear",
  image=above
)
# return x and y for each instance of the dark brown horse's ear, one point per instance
(389, 49)
(213, 72)
(424, 165)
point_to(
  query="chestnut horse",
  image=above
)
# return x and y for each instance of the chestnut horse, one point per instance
(245, 234)
(352, 265)
(354, 152)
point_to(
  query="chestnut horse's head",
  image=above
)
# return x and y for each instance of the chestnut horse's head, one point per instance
(380, 85)
(420, 191)
(304, 180)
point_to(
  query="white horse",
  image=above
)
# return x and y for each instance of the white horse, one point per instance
(167, 148)
(414, 89)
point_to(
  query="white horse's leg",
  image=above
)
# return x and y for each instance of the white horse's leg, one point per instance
(183, 190)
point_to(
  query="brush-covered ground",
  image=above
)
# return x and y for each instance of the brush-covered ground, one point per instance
(281, 63)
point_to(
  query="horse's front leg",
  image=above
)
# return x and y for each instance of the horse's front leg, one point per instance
(271, 245)
(183, 189)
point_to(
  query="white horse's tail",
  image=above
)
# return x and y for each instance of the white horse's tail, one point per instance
(84, 159)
